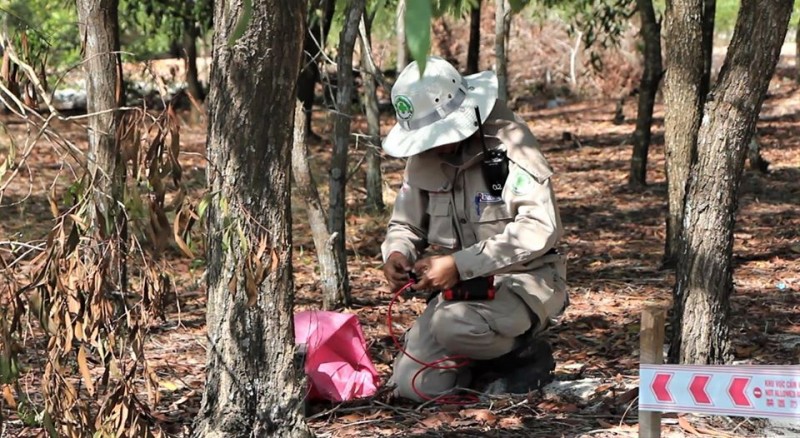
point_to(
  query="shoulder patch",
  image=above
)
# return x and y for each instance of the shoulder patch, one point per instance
(521, 182)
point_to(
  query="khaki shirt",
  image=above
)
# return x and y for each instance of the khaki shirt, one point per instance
(445, 203)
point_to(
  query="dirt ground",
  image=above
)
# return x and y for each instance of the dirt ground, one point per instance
(614, 241)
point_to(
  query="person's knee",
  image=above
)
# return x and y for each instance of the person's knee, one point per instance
(462, 330)
(415, 383)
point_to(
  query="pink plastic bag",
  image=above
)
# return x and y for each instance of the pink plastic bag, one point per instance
(337, 363)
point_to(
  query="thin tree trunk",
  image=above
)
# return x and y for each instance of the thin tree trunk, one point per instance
(502, 19)
(474, 48)
(797, 53)
(313, 41)
(757, 161)
(190, 35)
(684, 102)
(402, 45)
(307, 189)
(651, 35)
(99, 26)
(337, 209)
(705, 273)
(252, 381)
(709, 13)
(374, 179)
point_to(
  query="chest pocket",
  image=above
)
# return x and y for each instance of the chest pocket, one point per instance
(441, 230)
(490, 218)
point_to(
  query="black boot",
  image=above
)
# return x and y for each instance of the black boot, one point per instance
(528, 367)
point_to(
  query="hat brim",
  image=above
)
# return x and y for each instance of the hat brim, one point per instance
(457, 126)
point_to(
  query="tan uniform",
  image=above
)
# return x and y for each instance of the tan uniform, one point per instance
(445, 203)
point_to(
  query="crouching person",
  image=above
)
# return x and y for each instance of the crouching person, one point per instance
(477, 192)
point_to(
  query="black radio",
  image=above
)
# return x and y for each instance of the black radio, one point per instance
(494, 164)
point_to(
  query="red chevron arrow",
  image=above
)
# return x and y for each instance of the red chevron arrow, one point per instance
(659, 385)
(736, 391)
(697, 388)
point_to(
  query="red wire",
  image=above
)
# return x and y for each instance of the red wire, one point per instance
(463, 361)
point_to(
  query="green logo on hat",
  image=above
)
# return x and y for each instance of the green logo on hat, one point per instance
(403, 106)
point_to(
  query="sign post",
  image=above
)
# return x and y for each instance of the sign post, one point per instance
(651, 351)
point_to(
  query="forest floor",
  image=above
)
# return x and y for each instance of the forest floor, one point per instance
(614, 240)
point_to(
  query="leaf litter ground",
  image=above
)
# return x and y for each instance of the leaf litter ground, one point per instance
(614, 239)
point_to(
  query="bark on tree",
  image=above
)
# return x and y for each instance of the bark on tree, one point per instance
(373, 179)
(252, 383)
(402, 45)
(686, 72)
(99, 27)
(474, 48)
(797, 53)
(705, 274)
(651, 77)
(190, 35)
(314, 38)
(318, 222)
(337, 208)
(502, 20)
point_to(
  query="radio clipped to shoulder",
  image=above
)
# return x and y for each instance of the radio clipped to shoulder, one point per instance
(494, 164)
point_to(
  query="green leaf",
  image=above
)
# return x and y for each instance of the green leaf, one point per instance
(203, 205)
(244, 21)
(418, 30)
(518, 5)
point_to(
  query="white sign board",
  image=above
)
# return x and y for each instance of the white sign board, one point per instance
(769, 391)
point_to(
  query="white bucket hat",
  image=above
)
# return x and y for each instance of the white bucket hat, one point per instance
(438, 109)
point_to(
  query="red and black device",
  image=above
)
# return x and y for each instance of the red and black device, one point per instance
(479, 288)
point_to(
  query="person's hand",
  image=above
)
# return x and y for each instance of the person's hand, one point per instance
(439, 272)
(396, 270)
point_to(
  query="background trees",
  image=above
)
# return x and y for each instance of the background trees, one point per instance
(705, 272)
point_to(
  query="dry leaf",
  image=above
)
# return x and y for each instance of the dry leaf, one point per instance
(9, 397)
(438, 420)
(605, 424)
(510, 422)
(169, 386)
(685, 425)
(483, 415)
(84, 368)
(176, 234)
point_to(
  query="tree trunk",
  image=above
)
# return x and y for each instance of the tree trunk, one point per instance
(337, 209)
(474, 48)
(651, 35)
(252, 382)
(705, 277)
(313, 43)
(402, 45)
(683, 98)
(757, 161)
(99, 26)
(502, 19)
(797, 52)
(709, 13)
(374, 179)
(307, 188)
(190, 35)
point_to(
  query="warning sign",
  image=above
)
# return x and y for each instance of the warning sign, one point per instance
(747, 391)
